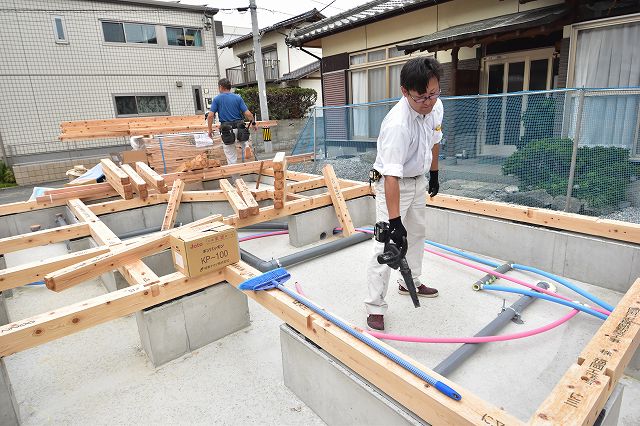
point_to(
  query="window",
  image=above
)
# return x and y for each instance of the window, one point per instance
(147, 104)
(59, 30)
(177, 36)
(197, 99)
(376, 55)
(124, 32)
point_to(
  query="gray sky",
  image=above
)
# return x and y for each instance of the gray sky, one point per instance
(272, 11)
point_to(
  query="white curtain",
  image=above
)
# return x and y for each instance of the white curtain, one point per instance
(359, 96)
(377, 92)
(609, 57)
(394, 81)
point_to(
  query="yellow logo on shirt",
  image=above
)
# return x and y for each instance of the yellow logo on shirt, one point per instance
(439, 128)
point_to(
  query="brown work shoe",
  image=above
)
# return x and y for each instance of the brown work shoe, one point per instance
(376, 322)
(423, 291)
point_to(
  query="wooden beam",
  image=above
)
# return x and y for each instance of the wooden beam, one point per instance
(117, 178)
(173, 205)
(237, 203)
(259, 174)
(606, 228)
(139, 184)
(124, 254)
(47, 236)
(582, 392)
(293, 207)
(404, 387)
(121, 205)
(338, 201)
(247, 196)
(39, 329)
(35, 271)
(152, 178)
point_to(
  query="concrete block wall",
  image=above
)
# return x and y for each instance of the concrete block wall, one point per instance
(29, 174)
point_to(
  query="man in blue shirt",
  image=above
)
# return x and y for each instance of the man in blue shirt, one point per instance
(231, 109)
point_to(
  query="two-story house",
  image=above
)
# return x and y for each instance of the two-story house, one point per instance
(64, 61)
(282, 64)
(486, 47)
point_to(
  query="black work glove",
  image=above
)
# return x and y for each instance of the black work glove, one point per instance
(397, 232)
(434, 185)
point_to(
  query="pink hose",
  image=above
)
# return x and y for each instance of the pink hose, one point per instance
(480, 339)
(267, 234)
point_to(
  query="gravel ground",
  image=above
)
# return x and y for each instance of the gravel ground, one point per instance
(629, 214)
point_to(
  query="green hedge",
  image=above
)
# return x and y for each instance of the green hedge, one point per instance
(601, 177)
(283, 102)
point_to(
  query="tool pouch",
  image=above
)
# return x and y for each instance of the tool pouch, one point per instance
(226, 132)
(243, 132)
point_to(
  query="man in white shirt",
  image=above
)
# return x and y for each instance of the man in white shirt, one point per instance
(408, 147)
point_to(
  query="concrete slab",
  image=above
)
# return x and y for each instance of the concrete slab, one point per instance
(9, 410)
(332, 390)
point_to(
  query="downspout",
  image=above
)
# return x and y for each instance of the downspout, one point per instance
(321, 70)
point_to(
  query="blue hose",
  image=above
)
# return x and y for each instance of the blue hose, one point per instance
(565, 283)
(442, 387)
(549, 275)
(546, 297)
(275, 278)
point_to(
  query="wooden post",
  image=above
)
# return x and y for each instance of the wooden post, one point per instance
(280, 180)
(338, 201)
(173, 205)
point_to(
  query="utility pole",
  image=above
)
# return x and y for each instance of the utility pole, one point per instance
(257, 57)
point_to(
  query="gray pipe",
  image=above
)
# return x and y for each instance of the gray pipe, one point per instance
(304, 255)
(454, 360)
(488, 279)
(266, 226)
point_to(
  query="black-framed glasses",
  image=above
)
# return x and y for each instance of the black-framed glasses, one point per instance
(423, 99)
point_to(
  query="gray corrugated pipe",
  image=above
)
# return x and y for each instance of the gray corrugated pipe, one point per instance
(304, 255)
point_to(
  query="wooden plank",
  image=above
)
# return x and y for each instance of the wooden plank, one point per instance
(173, 205)
(404, 387)
(237, 203)
(35, 271)
(152, 178)
(121, 205)
(339, 203)
(47, 236)
(247, 196)
(139, 184)
(606, 228)
(125, 254)
(279, 163)
(582, 392)
(99, 190)
(259, 174)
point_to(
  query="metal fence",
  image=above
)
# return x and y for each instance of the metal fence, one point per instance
(574, 150)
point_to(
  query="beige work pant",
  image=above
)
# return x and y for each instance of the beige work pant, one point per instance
(413, 193)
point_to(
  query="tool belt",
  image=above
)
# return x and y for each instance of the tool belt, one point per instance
(227, 134)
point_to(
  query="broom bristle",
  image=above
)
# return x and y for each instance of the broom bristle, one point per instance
(266, 281)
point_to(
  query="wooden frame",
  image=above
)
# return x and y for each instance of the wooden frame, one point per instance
(578, 397)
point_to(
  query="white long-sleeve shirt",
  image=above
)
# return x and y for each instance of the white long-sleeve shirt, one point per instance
(406, 139)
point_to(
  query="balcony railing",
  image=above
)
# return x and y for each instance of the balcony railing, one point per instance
(245, 74)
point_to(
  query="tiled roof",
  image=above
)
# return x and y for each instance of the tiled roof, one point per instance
(368, 12)
(499, 24)
(312, 16)
(301, 72)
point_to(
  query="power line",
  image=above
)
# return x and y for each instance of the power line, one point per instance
(328, 5)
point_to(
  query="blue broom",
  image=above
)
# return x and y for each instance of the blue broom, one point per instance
(276, 279)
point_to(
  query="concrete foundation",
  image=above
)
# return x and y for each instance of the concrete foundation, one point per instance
(9, 411)
(314, 225)
(610, 414)
(175, 328)
(610, 264)
(332, 390)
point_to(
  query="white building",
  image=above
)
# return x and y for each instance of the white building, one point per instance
(282, 64)
(64, 61)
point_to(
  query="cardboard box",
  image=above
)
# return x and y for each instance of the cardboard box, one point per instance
(204, 249)
(129, 157)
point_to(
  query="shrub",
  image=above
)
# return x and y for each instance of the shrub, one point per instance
(6, 174)
(283, 102)
(601, 177)
(537, 120)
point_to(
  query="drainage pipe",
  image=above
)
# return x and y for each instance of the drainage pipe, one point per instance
(265, 226)
(489, 278)
(454, 360)
(304, 255)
